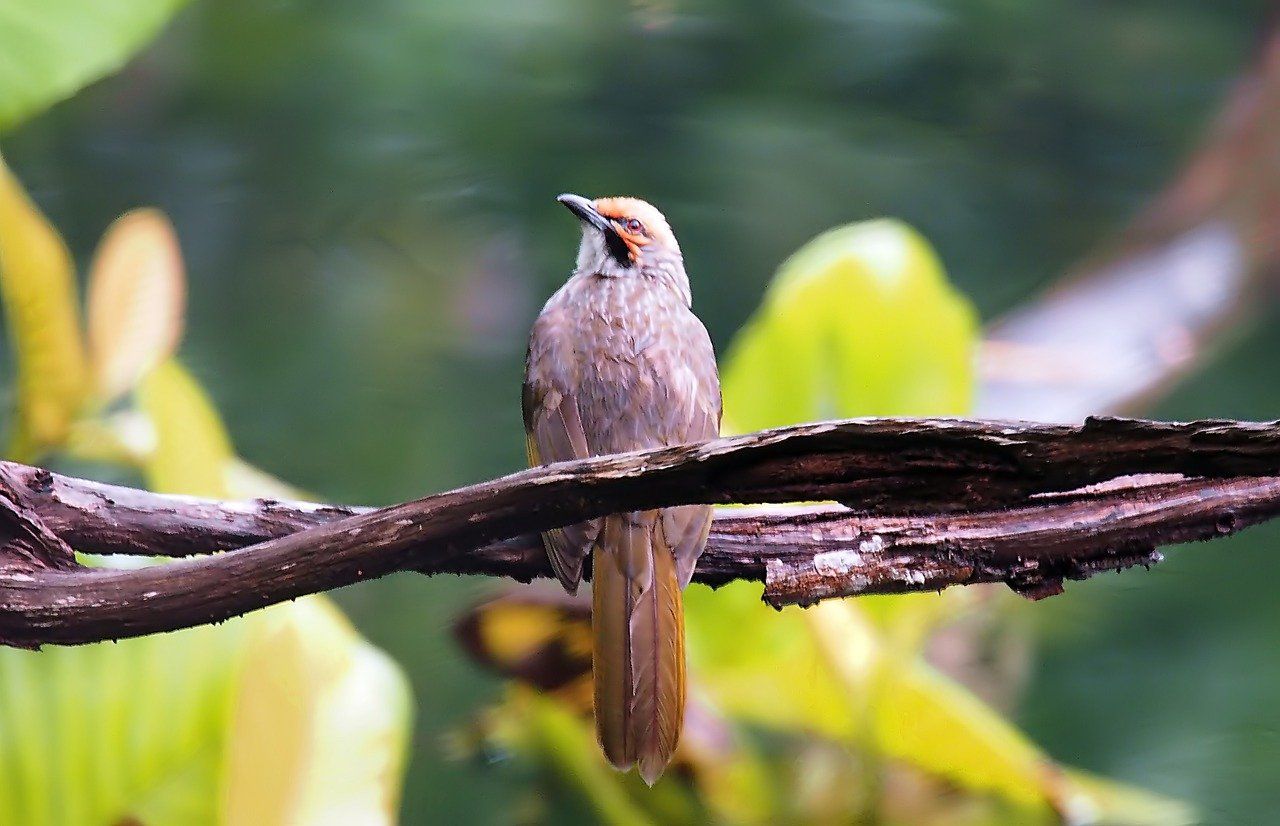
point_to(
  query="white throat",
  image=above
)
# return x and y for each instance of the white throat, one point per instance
(594, 257)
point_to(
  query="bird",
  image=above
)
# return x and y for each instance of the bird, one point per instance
(617, 361)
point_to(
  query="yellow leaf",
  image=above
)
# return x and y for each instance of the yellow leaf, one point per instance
(540, 637)
(846, 679)
(923, 718)
(37, 281)
(137, 294)
(933, 723)
(191, 449)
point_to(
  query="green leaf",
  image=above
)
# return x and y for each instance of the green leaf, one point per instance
(108, 732)
(51, 48)
(860, 322)
(283, 716)
(37, 283)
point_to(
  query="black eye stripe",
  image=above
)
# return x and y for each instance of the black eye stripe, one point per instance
(618, 249)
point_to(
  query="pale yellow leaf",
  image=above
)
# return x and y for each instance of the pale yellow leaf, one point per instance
(321, 717)
(137, 294)
(319, 727)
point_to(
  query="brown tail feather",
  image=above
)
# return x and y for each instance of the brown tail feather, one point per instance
(611, 597)
(638, 653)
(657, 655)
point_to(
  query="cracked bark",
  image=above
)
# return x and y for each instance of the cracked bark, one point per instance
(939, 502)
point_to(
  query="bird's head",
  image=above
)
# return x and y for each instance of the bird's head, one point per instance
(621, 235)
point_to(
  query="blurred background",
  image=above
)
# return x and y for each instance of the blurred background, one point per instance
(364, 196)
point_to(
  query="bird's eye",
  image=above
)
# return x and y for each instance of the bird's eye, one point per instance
(633, 225)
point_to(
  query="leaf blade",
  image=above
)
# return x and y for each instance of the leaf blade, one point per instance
(192, 449)
(136, 298)
(50, 49)
(861, 321)
(306, 742)
(37, 282)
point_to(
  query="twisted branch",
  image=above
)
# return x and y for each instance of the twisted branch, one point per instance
(954, 502)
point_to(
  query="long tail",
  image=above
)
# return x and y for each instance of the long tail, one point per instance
(638, 651)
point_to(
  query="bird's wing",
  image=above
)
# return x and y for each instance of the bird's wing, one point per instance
(697, 419)
(554, 433)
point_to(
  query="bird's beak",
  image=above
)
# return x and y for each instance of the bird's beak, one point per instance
(586, 212)
(590, 216)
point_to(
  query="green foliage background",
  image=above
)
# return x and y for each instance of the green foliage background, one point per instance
(364, 196)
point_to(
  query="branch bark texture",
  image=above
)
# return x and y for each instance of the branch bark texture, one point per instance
(928, 503)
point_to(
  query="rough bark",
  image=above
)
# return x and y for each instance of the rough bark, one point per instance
(938, 502)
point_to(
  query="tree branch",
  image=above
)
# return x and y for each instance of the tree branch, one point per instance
(956, 502)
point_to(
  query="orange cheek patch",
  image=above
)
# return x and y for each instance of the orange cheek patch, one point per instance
(634, 243)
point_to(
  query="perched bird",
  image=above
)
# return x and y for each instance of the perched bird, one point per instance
(618, 361)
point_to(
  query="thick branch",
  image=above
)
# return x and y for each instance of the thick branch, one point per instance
(1001, 503)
